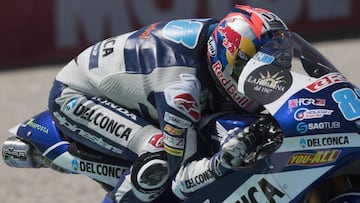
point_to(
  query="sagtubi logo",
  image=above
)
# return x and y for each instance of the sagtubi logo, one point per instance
(304, 127)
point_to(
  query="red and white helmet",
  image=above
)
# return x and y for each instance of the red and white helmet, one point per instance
(233, 42)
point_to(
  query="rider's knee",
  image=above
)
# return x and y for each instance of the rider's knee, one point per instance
(150, 175)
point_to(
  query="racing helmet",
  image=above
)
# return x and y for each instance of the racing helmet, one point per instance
(235, 39)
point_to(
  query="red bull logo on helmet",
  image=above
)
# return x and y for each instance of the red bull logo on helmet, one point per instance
(232, 38)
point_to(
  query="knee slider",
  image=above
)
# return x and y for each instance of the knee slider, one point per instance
(150, 173)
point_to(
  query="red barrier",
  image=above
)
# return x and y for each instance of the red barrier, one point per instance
(46, 31)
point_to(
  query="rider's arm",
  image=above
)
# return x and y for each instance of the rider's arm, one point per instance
(179, 111)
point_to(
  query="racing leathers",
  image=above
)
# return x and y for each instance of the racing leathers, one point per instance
(120, 94)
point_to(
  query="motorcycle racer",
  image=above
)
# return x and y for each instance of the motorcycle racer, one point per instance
(136, 94)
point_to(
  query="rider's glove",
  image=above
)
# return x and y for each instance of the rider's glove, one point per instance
(241, 148)
(232, 153)
(235, 149)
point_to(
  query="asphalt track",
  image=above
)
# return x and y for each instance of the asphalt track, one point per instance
(24, 93)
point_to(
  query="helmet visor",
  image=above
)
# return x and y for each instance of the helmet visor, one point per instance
(239, 65)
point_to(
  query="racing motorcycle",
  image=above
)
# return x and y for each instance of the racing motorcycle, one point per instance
(313, 158)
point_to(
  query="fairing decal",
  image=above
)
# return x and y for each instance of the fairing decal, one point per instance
(316, 142)
(54, 147)
(106, 173)
(277, 187)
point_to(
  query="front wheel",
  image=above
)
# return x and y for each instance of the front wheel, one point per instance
(344, 188)
(347, 197)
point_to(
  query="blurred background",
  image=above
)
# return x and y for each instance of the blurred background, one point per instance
(38, 37)
(52, 31)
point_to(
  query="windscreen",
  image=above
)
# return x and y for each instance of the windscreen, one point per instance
(291, 52)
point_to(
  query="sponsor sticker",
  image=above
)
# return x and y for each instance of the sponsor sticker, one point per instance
(263, 57)
(232, 38)
(175, 142)
(330, 141)
(87, 135)
(118, 108)
(313, 159)
(31, 123)
(212, 46)
(304, 127)
(326, 81)
(188, 104)
(172, 130)
(231, 88)
(198, 180)
(174, 152)
(157, 141)
(267, 84)
(9, 153)
(176, 120)
(71, 104)
(293, 103)
(104, 122)
(304, 113)
(98, 168)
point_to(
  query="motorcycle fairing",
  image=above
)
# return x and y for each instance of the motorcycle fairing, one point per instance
(287, 174)
(275, 76)
(327, 116)
(260, 185)
(275, 187)
(288, 69)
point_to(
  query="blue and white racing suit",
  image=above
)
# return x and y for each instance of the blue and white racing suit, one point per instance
(127, 90)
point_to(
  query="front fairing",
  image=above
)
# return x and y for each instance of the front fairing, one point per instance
(318, 110)
(304, 92)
